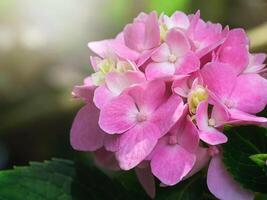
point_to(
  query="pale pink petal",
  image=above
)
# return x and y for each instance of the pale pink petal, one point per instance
(85, 134)
(212, 136)
(171, 163)
(123, 51)
(255, 63)
(136, 144)
(219, 78)
(101, 48)
(250, 93)
(147, 180)
(161, 54)
(239, 117)
(158, 70)
(118, 115)
(102, 95)
(84, 92)
(220, 114)
(117, 82)
(181, 87)
(222, 185)
(106, 159)
(187, 64)
(180, 20)
(94, 62)
(152, 33)
(202, 118)
(177, 42)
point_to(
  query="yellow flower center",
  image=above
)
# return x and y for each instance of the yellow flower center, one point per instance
(163, 32)
(106, 66)
(196, 96)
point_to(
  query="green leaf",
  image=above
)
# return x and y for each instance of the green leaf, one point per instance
(261, 197)
(59, 180)
(259, 159)
(245, 144)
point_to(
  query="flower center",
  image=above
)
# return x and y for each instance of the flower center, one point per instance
(212, 122)
(196, 96)
(229, 104)
(140, 117)
(172, 58)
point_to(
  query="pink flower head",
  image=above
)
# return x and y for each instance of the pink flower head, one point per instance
(161, 92)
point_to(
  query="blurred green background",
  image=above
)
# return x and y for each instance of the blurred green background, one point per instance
(43, 53)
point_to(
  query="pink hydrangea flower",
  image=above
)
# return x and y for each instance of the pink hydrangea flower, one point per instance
(161, 92)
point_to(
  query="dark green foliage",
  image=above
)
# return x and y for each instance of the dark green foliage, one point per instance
(241, 156)
(63, 180)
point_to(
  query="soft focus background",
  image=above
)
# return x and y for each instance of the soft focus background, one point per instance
(43, 53)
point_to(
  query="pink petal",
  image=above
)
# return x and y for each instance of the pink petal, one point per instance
(143, 35)
(177, 42)
(118, 115)
(202, 159)
(152, 33)
(222, 185)
(236, 36)
(117, 82)
(239, 117)
(212, 136)
(136, 144)
(188, 64)
(236, 56)
(161, 54)
(148, 96)
(219, 78)
(112, 142)
(147, 180)
(85, 134)
(171, 163)
(134, 36)
(250, 93)
(158, 70)
(102, 95)
(106, 159)
(168, 114)
(145, 55)
(189, 138)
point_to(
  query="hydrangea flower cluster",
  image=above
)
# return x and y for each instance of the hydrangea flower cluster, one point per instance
(160, 94)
